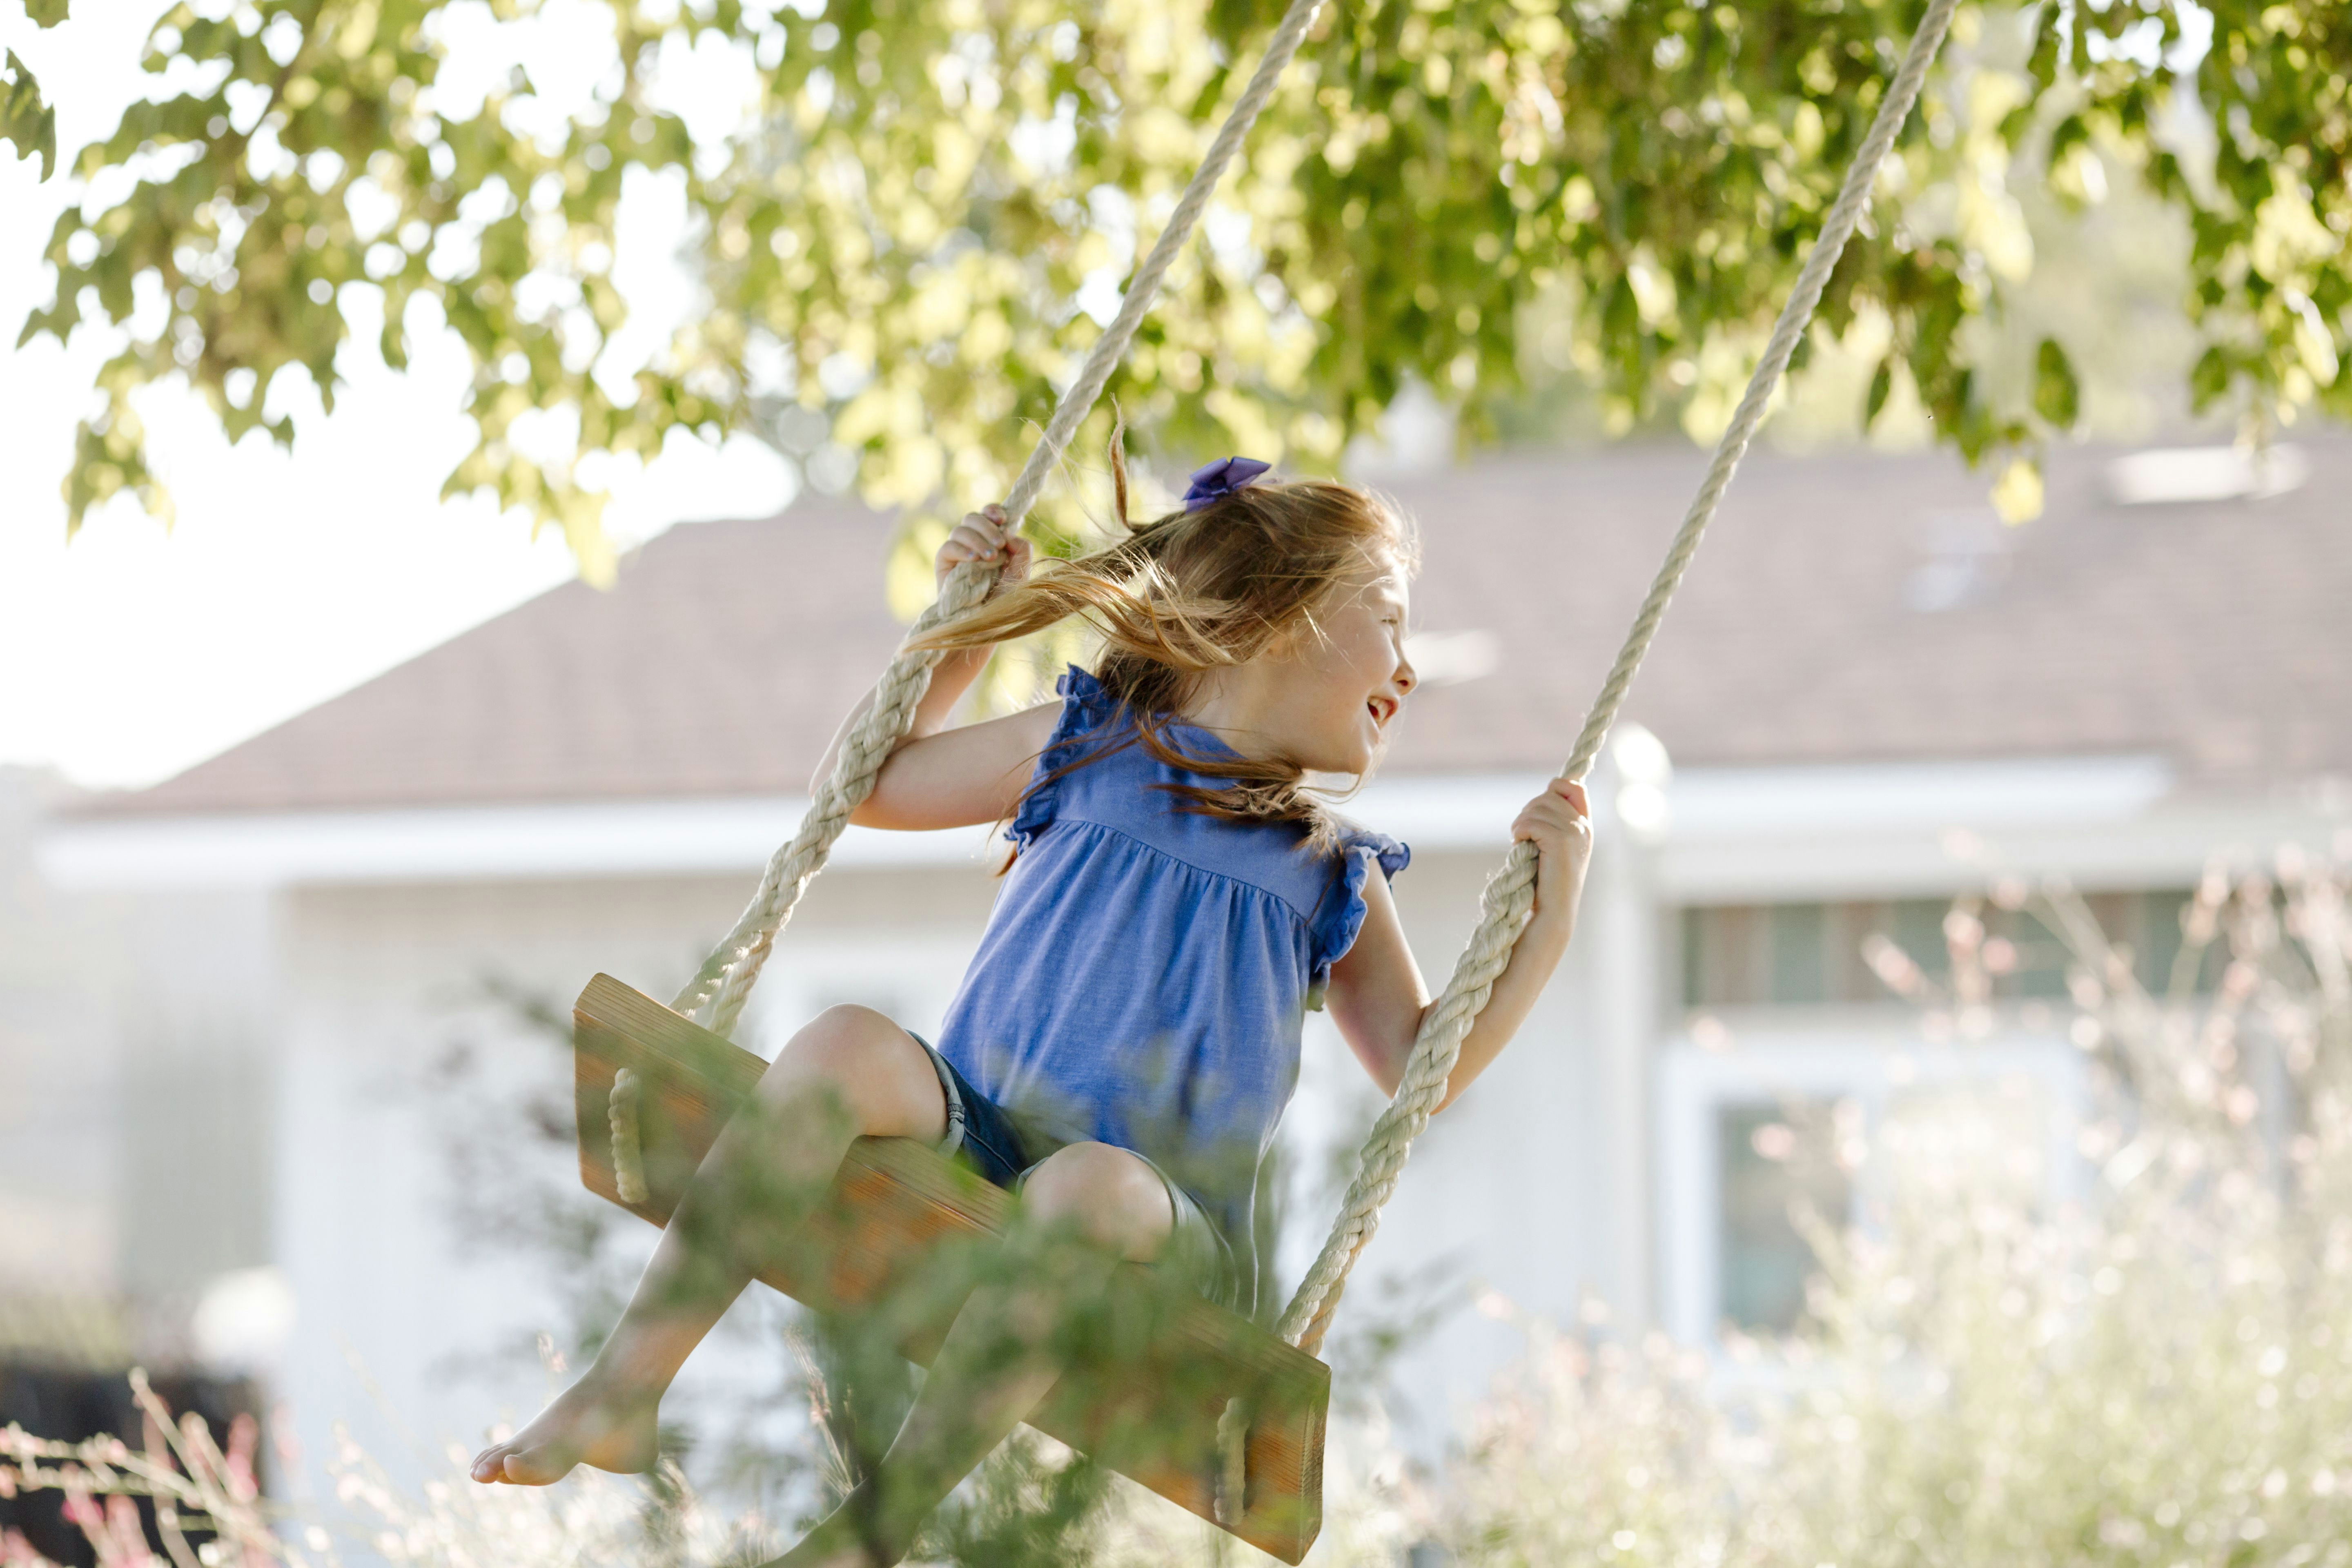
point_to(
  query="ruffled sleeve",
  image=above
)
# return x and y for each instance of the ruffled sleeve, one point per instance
(1342, 915)
(1085, 708)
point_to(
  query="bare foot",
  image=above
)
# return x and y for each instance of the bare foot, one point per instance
(585, 1425)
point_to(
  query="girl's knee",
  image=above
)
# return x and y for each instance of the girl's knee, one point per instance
(1116, 1200)
(869, 1065)
(842, 1036)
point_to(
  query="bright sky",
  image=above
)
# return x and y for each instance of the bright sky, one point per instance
(132, 652)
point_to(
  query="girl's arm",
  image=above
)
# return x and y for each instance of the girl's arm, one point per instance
(1377, 995)
(939, 777)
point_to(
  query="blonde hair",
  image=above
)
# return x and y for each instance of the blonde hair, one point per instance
(1195, 591)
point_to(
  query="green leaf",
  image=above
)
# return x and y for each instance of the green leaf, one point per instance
(2209, 380)
(46, 13)
(2042, 61)
(1882, 386)
(26, 122)
(2057, 395)
(2068, 134)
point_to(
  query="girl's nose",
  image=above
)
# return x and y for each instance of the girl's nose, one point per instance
(1406, 678)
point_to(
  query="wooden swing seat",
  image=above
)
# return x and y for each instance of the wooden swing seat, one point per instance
(894, 1201)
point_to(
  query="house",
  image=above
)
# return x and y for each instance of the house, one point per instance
(1870, 696)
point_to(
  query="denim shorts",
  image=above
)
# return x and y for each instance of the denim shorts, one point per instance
(1005, 1154)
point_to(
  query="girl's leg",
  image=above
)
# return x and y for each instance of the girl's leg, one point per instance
(850, 1071)
(974, 1394)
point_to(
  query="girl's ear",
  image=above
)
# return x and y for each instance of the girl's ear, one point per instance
(1292, 640)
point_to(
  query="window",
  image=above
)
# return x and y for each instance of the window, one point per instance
(1811, 1118)
(1776, 1161)
(1807, 954)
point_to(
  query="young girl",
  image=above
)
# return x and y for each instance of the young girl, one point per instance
(1128, 1035)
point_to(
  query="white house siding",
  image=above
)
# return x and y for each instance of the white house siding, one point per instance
(135, 1037)
(196, 1027)
(60, 1177)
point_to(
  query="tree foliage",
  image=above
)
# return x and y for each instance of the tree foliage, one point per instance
(26, 122)
(929, 205)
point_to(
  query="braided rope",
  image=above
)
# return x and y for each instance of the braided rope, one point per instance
(1231, 1502)
(723, 983)
(1509, 897)
(628, 1148)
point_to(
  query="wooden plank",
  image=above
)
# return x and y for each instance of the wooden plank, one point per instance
(894, 1202)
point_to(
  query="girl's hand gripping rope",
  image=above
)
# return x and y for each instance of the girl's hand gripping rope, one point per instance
(984, 536)
(942, 774)
(1559, 822)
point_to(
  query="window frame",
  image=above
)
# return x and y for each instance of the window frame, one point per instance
(1871, 1061)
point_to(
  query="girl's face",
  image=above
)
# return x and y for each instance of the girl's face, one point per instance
(1335, 695)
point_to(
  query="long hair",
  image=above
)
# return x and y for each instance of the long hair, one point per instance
(1195, 591)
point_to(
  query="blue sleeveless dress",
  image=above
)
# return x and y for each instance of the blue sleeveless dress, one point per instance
(1146, 972)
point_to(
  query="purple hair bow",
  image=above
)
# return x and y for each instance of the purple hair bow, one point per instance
(1222, 479)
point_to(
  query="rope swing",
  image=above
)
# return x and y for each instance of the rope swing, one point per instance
(720, 986)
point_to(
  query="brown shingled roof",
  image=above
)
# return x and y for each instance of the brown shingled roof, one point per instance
(2218, 634)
